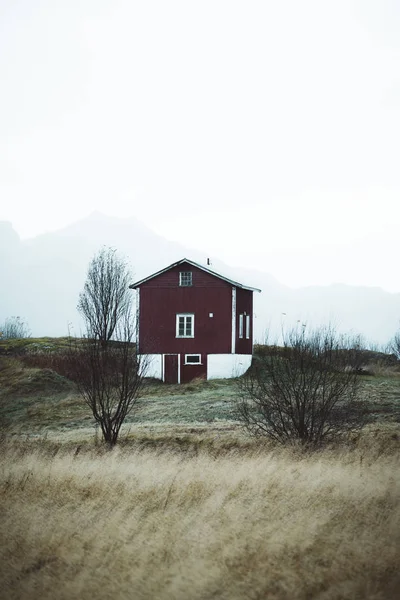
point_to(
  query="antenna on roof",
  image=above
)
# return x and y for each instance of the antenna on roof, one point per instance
(208, 262)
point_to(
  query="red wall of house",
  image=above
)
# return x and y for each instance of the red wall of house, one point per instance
(189, 372)
(161, 298)
(244, 304)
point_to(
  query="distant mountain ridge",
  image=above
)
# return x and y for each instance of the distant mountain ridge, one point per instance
(41, 279)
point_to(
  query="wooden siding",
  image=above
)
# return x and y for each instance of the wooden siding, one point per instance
(161, 299)
(244, 304)
(200, 278)
(189, 372)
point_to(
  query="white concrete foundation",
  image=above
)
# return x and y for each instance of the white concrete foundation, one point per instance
(224, 366)
(219, 366)
(153, 365)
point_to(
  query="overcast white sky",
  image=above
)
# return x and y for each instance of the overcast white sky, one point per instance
(264, 132)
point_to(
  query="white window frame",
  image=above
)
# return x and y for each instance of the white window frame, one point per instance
(184, 315)
(193, 363)
(241, 326)
(181, 274)
(247, 327)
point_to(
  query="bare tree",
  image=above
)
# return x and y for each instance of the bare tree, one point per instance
(394, 345)
(109, 377)
(106, 367)
(304, 390)
(14, 328)
(105, 298)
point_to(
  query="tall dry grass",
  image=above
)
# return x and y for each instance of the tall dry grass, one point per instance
(144, 524)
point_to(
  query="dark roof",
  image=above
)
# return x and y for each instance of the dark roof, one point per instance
(194, 264)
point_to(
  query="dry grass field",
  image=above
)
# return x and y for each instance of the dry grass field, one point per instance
(137, 522)
(187, 506)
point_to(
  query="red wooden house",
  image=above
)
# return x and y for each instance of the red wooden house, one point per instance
(193, 322)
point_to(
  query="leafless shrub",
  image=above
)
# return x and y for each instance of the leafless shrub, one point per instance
(109, 377)
(305, 390)
(58, 361)
(14, 328)
(106, 296)
(394, 345)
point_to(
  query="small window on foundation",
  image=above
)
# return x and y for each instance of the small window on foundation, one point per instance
(192, 359)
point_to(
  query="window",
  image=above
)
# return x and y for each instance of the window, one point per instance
(185, 326)
(240, 326)
(185, 278)
(247, 327)
(192, 359)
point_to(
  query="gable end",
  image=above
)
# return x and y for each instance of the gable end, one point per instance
(185, 263)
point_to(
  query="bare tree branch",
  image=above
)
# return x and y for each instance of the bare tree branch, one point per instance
(306, 390)
(394, 345)
(109, 378)
(106, 367)
(105, 297)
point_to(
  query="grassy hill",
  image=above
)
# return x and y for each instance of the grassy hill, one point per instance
(38, 400)
(188, 505)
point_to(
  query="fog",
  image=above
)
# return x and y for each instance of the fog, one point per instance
(262, 133)
(41, 279)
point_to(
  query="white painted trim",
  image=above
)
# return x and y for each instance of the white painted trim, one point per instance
(179, 368)
(137, 317)
(193, 363)
(163, 368)
(194, 264)
(233, 321)
(177, 325)
(247, 327)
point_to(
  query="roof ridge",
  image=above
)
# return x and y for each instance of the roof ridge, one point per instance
(193, 263)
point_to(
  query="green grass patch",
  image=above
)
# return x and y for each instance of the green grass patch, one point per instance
(43, 344)
(34, 399)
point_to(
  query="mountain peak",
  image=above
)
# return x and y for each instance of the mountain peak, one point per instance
(9, 238)
(52, 267)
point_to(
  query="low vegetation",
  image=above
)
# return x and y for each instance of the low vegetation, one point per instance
(37, 394)
(306, 390)
(42, 349)
(14, 328)
(188, 505)
(80, 522)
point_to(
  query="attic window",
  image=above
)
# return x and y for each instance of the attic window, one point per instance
(185, 278)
